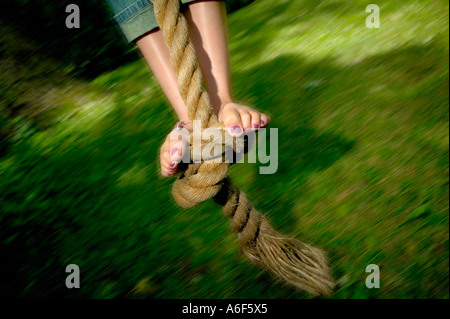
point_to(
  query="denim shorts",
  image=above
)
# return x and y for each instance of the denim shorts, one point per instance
(136, 17)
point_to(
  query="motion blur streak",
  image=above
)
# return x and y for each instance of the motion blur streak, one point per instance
(362, 118)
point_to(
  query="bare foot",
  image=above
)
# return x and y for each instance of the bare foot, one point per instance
(237, 119)
(240, 118)
(172, 151)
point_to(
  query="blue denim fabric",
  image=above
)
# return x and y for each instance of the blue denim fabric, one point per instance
(135, 17)
(125, 9)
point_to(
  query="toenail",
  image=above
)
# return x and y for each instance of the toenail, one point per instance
(262, 123)
(172, 165)
(248, 130)
(236, 129)
(256, 125)
(174, 151)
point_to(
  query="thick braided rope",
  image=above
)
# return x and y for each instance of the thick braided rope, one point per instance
(296, 263)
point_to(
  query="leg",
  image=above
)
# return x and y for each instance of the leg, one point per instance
(208, 34)
(208, 31)
(157, 56)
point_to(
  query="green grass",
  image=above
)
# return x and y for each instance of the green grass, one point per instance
(363, 127)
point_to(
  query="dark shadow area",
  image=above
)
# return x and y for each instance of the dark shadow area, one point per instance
(96, 47)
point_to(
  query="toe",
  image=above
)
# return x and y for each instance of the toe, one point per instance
(177, 151)
(265, 120)
(256, 120)
(246, 120)
(165, 162)
(233, 123)
(170, 157)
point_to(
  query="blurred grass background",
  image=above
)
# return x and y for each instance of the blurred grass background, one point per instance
(363, 128)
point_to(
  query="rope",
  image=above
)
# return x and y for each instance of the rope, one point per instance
(292, 261)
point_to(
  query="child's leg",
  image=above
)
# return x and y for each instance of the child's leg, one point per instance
(208, 32)
(157, 55)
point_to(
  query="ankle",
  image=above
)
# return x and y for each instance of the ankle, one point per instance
(219, 102)
(223, 104)
(184, 125)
